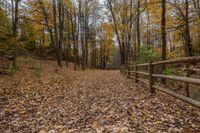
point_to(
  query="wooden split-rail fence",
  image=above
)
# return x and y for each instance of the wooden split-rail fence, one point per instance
(132, 71)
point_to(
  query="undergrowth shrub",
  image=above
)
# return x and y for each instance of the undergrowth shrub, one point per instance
(168, 71)
(11, 70)
(146, 54)
(37, 71)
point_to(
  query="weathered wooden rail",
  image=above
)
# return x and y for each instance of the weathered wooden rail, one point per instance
(131, 71)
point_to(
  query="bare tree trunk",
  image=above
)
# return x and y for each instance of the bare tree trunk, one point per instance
(86, 37)
(76, 28)
(68, 44)
(61, 27)
(163, 27)
(56, 32)
(15, 21)
(138, 27)
(187, 37)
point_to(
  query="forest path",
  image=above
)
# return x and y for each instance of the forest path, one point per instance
(95, 101)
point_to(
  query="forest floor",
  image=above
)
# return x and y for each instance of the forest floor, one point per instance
(55, 100)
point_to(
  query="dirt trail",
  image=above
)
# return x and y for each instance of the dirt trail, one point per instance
(94, 101)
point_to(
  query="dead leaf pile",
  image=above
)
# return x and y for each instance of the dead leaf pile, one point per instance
(68, 101)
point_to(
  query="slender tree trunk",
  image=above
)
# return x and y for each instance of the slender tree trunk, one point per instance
(76, 41)
(15, 21)
(86, 38)
(42, 44)
(187, 37)
(56, 32)
(116, 31)
(61, 26)
(68, 44)
(138, 28)
(163, 27)
(47, 24)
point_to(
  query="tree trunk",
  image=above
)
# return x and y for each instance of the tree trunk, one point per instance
(138, 27)
(163, 32)
(116, 31)
(61, 26)
(188, 44)
(56, 33)
(15, 21)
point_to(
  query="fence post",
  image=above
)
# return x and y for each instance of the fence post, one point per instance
(152, 90)
(187, 84)
(136, 75)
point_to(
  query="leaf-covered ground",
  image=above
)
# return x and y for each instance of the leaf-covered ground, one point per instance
(67, 101)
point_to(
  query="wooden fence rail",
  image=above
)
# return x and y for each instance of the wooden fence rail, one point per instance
(131, 71)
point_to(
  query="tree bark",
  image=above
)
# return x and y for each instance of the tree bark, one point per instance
(138, 27)
(188, 44)
(61, 26)
(15, 21)
(163, 32)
